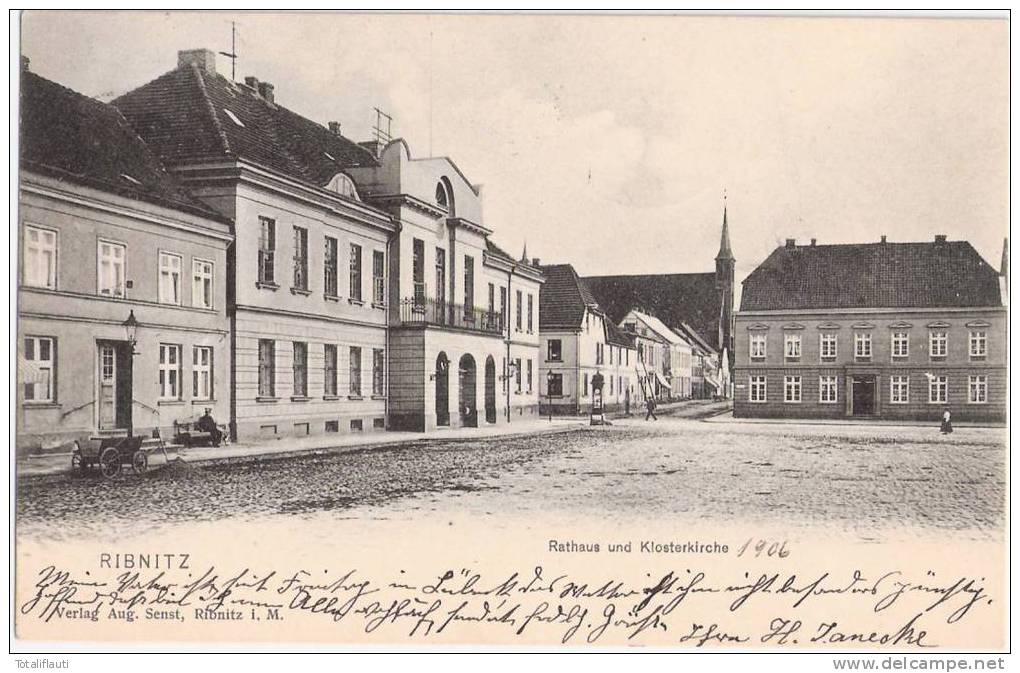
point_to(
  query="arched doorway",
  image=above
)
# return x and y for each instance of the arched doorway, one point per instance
(468, 404)
(442, 389)
(490, 390)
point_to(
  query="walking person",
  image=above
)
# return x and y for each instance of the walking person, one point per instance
(947, 422)
(650, 405)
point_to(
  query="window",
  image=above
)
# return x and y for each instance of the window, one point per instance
(330, 274)
(441, 197)
(378, 277)
(899, 389)
(977, 387)
(610, 354)
(978, 344)
(329, 370)
(555, 385)
(938, 389)
(355, 378)
(531, 375)
(531, 313)
(492, 298)
(758, 389)
(469, 285)
(758, 342)
(169, 278)
(355, 272)
(791, 389)
(584, 386)
(112, 263)
(357, 425)
(440, 278)
(267, 368)
(518, 375)
(418, 269)
(827, 346)
(267, 251)
(300, 369)
(378, 371)
(201, 283)
(827, 389)
(300, 258)
(520, 311)
(201, 372)
(900, 344)
(862, 345)
(38, 371)
(169, 372)
(40, 258)
(554, 352)
(792, 346)
(503, 315)
(600, 353)
(938, 343)
(332, 426)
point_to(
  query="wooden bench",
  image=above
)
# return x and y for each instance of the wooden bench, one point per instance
(187, 434)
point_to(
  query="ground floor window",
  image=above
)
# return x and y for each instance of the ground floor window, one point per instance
(899, 389)
(518, 376)
(300, 369)
(329, 370)
(378, 369)
(938, 388)
(758, 389)
(267, 368)
(584, 386)
(355, 378)
(556, 385)
(978, 389)
(827, 390)
(169, 372)
(201, 372)
(531, 374)
(38, 369)
(791, 389)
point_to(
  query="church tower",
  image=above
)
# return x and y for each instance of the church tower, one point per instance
(725, 266)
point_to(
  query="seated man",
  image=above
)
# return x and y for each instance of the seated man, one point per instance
(207, 424)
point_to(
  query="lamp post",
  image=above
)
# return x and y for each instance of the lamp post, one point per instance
(548, 391)
(130, 335)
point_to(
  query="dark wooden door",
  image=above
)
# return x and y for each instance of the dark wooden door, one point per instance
(864, 395)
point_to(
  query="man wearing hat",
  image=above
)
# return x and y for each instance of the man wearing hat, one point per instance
(208, 424)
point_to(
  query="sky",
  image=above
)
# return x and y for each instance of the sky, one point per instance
(609, 141)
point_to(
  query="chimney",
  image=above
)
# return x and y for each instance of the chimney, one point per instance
(25, 62)
(252, 83)
(535, 261)
(791, 243)
(883, 238)
(940, 238)
(814, 241)
(334, 128)
(203, 58)
(266, 91)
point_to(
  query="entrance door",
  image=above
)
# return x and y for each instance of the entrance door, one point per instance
(467, 378)
(864, 395)
(490, 390)
(114, 394)
(442, 390)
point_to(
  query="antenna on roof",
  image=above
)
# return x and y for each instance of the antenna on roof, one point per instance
(233, 52)
(383, 135)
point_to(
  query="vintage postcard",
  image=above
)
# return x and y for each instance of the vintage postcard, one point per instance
(512, 330)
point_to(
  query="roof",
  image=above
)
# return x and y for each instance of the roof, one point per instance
(659, 328)
(191, 114)
(72, 137)
(673, 298)
(617, 336)
(696, 339)
(563, 298)
(872, 275)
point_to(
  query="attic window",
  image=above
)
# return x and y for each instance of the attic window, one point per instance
(233, 117)
(341, 184)
(130, 179)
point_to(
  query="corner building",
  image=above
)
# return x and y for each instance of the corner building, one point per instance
(879, 330)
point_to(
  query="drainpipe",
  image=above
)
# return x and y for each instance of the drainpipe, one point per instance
(394, 306)
(506, 370)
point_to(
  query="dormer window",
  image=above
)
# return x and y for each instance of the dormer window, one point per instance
(341, 184)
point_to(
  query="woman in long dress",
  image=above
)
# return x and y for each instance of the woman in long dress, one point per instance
(947, 423)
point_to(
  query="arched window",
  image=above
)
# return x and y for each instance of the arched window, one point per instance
(442, 198)
(344, 186)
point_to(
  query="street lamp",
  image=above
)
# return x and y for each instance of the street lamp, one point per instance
(131, 333)
(548, 391)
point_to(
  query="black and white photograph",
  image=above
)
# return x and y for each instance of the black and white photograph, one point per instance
(511, 332)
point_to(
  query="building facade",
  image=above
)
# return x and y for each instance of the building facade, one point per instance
(463, 314)
(882, 330)
(309, 288)
(122, 311)
(578, 341)
(665, 359)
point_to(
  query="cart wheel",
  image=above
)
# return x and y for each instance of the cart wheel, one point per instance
(109, 462)
(77, 464)
(140, 462)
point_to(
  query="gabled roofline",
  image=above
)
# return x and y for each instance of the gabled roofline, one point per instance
(407, 148)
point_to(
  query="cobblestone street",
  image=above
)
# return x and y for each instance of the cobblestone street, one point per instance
(856, 479)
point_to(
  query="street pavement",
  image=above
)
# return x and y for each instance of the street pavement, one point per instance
(857, 479)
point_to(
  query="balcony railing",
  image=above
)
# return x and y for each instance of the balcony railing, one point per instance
(427, 311)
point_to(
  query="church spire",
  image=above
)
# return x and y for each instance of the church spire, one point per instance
(725, 251)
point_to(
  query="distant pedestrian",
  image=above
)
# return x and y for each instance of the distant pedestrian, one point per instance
(947, 422)
(208, 424)
(650, 405)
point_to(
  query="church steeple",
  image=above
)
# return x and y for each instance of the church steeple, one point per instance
(725, 272)
(725, 251)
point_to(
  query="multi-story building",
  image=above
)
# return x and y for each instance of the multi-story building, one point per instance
(309, 297)
(463, 314)
(122, 311)
(710, 370)
(665, 358)
(703, 301)
(877, 330)
(579, 341)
